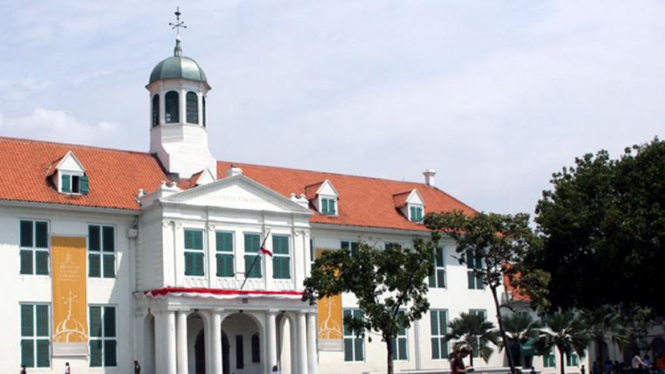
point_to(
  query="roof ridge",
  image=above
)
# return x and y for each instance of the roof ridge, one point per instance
(72, 145)
(325, 172)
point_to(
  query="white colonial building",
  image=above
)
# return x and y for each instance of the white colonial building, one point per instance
(111, 256)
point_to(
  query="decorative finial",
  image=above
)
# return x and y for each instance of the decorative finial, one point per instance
(177, 26)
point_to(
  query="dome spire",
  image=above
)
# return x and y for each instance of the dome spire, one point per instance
(177, 51)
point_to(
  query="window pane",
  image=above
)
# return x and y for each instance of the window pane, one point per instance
(27, 320)
(192, 107)
(28, 353)
(172, 110)
(444, 347)
(479, 281)
(432, 281)
(41, 237)
(96, 353)
(26, 261)
(42, 320)
(109, 322)
(348, 349)
(252, 243)
(224, 242)
(155, 110)
(109, 266)
(441, 278)
(94, 269)
(94, 238)
(256, 270)
(359, 349)
(96, 321)
(43, 354)
(41, 262)
(110, 354)
(439, 257)
(434, 322)
(402, 349)
(109, 239)
(435, 349)
(26, 234)
(443, 323)
(472, 279)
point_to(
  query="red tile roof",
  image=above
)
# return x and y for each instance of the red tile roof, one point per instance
(400, 198)
(116, 177)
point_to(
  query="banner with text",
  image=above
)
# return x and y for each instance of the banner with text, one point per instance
(330, 321)
(70, 329)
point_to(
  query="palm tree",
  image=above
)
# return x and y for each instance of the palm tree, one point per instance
(565, 331)
(475, 331)
(603, 323)
(520, 328)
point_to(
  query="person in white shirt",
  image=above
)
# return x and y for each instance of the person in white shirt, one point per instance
(67, 369)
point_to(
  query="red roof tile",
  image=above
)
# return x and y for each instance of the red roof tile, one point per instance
(116, 177)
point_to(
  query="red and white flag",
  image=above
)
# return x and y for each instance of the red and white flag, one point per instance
(265, 251)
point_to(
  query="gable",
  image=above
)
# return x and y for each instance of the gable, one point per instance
(237, 192)
(327, 189)
(415, 198)
(70, 163)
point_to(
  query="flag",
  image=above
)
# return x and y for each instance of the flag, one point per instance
(265, 251)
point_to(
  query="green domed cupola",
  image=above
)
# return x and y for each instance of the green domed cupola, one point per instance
(178, 67)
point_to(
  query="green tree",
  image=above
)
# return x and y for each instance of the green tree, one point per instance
(389, 284)
(520, 328)
(603, 225)
(565, 331)
(605, 324)
(475, 331)
(492, 246)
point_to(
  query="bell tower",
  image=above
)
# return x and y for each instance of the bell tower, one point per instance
(178, 130)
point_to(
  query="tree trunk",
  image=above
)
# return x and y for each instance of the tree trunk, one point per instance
(599, 346)
(499, 320)
(389, 349)
(563, 370)
(471, 358)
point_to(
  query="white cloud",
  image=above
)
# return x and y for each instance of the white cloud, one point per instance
(58, 126)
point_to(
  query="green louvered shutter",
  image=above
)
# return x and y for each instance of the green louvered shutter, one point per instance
(252, 244)
(110, 353)
(27, 320)
(28, 353)
(42, 320)
(109, 265)
(41, 262)
(189, 263)
(95, 269)
(85, 185)
(26, 261)
(43, 354)
(96, 353)
(109, 322)
(96, 321)
(66, 183)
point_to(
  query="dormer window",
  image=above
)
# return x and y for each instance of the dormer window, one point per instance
(324, 197)
(415, 213)
(68, 175)
(411, 204)
(328, 206)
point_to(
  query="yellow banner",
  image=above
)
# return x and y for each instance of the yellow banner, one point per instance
(330, 320)
(70, 329)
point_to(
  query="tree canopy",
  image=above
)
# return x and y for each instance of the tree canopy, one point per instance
(603, 226)
(389, 284)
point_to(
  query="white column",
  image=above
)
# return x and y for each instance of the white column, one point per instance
(216, 344)
(183, 361)
(301, 330)
(271, 340)
(311, 343)
(165, 336)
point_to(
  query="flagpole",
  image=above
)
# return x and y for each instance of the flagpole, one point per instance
(254, 262)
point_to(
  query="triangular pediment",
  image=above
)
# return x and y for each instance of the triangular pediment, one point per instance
(237, 192)
(70, 163)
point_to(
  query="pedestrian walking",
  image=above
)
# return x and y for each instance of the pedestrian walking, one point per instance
(68, 370)
(137, 367)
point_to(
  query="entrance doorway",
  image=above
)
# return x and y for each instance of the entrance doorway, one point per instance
(200, 354)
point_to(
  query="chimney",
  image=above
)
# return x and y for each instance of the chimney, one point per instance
(233, 171)
(429, 177)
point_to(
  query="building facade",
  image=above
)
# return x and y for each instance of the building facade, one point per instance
(187, 264)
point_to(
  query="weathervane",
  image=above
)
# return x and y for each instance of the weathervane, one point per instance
(178, 24)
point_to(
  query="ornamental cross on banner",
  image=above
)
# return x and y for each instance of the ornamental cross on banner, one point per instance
(178, 24)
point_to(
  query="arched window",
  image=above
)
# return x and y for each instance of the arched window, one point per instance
(256, 349)
(192, 107)
(204, 111)
(155, 110)
(172, 113)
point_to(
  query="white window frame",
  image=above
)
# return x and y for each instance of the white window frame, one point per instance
(101, 251)
(203, 250)
(104, 338)
(34, 338)
(71, 175)
(353, 338)
(416, 206)
(282, 255)
(437, 281)
(329, 198)
(34, 247)
(443, 350)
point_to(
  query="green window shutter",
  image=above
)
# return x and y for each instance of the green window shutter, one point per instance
(85, 185)
(193, 239)
(108, 265)
(94, 265)
(434, 322)
(252, 243)
(348, 349)
(332, 205)
(95, 321)
(43, 353)
(41, 262)
(256, 270)
(94, 238)
(224, 265)
(199, 264)
(26, 261)
(155, 110)
(172, 110)
(26, 234)
(108, 233)
(110, 353)
(66, 185)
(42, 320)
(109, 322)
(96, 353)
(324, 207)
(436, 349)
(441, 278)
(27, 320)
(189, 263)
(280, 244)
(224, 242)
(41, 237)
(358, 349)
(28, 353)
(192, 107)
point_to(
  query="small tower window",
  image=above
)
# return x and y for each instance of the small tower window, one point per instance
(204, 111)
(155, 110)
(172, 113)
(192, 107)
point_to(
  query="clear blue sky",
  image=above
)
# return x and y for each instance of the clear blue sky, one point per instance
(494, 95)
